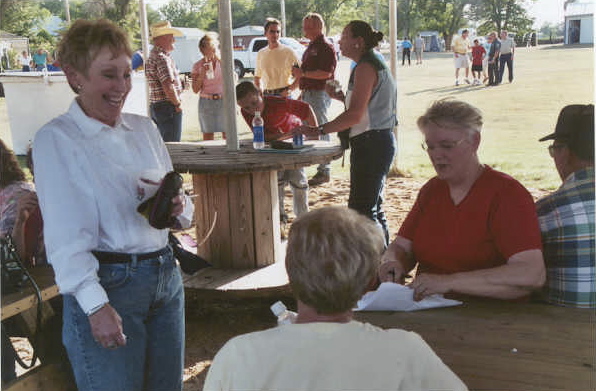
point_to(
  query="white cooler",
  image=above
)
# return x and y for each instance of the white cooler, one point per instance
(34, 98)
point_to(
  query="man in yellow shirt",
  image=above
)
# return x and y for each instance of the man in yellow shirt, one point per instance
(461, 47)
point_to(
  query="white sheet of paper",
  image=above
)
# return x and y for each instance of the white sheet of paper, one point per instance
(395, 297)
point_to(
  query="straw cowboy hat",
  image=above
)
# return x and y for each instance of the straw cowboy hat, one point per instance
(164, 28)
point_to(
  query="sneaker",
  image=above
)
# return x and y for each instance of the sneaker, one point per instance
(467, 80)
(319, 179)
(456, 82)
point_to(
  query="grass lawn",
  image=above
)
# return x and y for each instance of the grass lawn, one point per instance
(516, 115)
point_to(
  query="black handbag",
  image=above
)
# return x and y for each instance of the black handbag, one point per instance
(190, 263)
(14, 278)
(344, 138)
(14, 275)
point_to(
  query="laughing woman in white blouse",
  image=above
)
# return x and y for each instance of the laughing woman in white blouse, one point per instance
(123, 294)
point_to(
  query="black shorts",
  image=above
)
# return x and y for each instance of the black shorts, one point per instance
(476, 68)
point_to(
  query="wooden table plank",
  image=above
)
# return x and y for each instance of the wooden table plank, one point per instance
(498, 345)
(18, 302)
(213, 157)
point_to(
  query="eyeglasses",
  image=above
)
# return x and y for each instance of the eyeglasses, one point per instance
(553, 147)
(444, 145)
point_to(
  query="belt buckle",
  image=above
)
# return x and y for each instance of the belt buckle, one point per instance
(215, 96)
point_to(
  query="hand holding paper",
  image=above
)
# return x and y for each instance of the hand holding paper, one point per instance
(395, 297)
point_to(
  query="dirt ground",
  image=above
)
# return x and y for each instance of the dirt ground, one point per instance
(215, 317)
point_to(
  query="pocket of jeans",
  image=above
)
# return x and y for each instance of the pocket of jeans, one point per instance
(164, 111)
(113, 275)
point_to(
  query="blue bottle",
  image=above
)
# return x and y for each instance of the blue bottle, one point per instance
(258, 131)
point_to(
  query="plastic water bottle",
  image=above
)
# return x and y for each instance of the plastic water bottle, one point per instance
(284, 316)
(258, 131)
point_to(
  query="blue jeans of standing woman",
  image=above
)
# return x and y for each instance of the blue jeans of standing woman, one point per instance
(149, 297)
(370, 160)
(167, 119)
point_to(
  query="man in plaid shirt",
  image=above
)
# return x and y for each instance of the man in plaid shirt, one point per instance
(164, 82)
(567, 215)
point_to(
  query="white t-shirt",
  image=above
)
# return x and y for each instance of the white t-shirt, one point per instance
(329, 356)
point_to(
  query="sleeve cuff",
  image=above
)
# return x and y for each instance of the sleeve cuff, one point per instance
(185, 219)
(91, 297)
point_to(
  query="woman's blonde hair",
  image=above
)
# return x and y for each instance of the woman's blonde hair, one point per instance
(83, 41)
(453, 114)
(332, 257)
(209, 39)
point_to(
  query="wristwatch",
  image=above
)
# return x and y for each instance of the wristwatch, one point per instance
(321, 130)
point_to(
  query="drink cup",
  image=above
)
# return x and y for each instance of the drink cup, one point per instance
(335, 84)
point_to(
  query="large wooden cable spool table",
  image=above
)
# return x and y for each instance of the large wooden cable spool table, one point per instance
(236, 192)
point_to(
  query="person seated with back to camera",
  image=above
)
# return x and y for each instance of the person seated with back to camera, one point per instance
(567, 215)
(331, 259)
(472, 230)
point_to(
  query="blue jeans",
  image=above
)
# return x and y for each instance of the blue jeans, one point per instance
(506, 59)
(320, 101)
(149, 297)
(370, 159)
(168, 121)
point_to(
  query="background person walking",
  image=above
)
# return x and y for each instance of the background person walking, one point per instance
(506, 56)
(164, 82)
(418, 48)
(461, 47)
(207, 81)
(406, 48)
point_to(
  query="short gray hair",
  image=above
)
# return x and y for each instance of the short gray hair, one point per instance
(332, 257)
(452, 114)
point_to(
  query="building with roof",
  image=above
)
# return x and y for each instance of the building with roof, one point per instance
(579, 22)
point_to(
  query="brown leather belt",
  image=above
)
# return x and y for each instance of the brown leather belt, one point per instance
(211, 96)
(277, 90)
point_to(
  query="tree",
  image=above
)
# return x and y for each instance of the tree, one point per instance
(24, 18)
(500, 15)
(444, 16)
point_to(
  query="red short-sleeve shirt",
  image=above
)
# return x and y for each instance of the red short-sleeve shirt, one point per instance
(496, 220)
(280, 115)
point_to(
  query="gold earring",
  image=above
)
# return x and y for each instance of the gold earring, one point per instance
(79, 88)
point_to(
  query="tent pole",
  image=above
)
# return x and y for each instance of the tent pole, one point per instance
(227, 66)
(144, 42)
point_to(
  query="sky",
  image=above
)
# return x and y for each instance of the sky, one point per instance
(550, 11)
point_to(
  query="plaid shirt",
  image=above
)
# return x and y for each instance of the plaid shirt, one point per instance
(567, 224)
(159, 68)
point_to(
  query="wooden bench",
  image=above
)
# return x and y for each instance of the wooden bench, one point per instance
(49, 376)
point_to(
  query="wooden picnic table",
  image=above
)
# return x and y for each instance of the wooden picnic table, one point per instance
(236, 193)
(500, 345)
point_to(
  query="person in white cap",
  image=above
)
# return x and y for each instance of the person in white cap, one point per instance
(164, 82)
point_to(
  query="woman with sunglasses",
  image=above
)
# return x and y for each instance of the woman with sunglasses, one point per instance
(473, 230)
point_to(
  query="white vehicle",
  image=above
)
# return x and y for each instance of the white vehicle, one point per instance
(245, 60)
